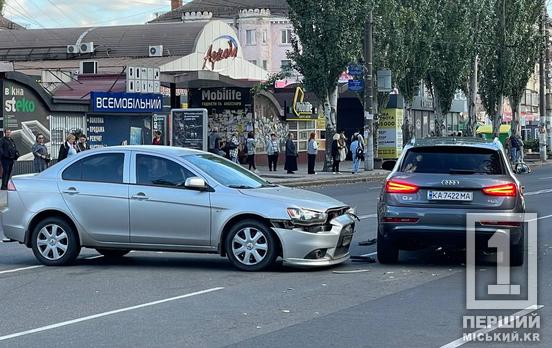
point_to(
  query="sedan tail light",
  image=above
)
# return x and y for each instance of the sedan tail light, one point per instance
(393, 186)
(11, 186)
(504, 190)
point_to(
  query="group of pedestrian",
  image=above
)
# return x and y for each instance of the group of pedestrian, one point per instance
(71, 147)
(339, 151)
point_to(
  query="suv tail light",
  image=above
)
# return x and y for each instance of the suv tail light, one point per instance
(393, 186)
(11, 186)
(505, 190)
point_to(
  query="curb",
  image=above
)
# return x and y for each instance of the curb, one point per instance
(330, 181)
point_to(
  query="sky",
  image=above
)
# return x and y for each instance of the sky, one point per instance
(38, 14)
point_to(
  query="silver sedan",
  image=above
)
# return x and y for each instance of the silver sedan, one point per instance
(150, 198)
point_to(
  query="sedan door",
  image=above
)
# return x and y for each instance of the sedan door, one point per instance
(95, 188)
(162, 210)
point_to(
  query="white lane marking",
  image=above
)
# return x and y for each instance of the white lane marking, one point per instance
(20, 269)
(546, 178)
(461, 341)
(541, 218)
(370, 254)
(364, 217)
(104, 314)
(534, 193)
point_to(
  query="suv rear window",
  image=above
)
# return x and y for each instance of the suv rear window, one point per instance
(453, 160)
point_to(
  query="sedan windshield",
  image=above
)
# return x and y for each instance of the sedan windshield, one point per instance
(226, 173)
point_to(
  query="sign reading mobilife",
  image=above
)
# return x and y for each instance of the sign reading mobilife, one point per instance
(126, 102)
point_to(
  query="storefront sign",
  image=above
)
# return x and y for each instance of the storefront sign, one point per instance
(126, 102)
(189, 128)
(25, 114)
(301, 110)
(390, 133)
(223, 47)
(118, 130)
(219, 98)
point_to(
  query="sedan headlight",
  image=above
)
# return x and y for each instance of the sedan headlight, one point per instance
(301, 216)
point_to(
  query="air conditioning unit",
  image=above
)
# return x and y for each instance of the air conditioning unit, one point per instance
(87, 47)
(73, 49)
(156, 51)
(89, 67)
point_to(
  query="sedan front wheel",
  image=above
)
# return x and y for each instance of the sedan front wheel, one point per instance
(251, 246)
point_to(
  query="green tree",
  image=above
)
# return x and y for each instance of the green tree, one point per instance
(508, 54)
(450, 29)
(328, 37)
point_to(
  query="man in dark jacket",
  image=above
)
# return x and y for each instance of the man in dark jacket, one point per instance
(8, 154)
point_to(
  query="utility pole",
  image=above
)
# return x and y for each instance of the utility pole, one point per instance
(542, 89)
(368, 95)
(547, 72)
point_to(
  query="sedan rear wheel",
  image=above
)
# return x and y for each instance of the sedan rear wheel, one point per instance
(251, 246)
(54, 242)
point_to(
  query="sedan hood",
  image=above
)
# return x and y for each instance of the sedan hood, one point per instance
(295, 197)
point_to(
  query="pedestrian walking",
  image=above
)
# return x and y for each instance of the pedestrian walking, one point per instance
(273, 152)
(40, 153)
(8, 155)
(156, 138)
(357, 152)
(82, 145)
(67, 149)
(312, 151)
(233, 145)
(251, 148)
(214, 142)
(336, 156)
(515, 147)
(291, 155)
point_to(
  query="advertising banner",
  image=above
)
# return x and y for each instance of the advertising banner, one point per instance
(189, 128)
(126, 102)
(118, 130)
(390, 133)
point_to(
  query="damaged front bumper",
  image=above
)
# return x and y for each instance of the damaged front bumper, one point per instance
(315, 249)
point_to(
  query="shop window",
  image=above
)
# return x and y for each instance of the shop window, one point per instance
(250, 37)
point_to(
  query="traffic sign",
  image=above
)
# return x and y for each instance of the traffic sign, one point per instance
(356, 70)
(356, 85)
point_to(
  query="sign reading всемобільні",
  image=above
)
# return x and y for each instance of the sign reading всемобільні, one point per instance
(126, 102)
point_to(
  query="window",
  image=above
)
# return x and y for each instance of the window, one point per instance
(157, 171)
(250, 37)
(265, 65)
(254, 62)
(107, 168)
(286, 36)
(265, 36)
(225, 172)
(286, 65)
(453, 160)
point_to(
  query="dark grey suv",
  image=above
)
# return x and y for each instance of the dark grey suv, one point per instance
(432, 187)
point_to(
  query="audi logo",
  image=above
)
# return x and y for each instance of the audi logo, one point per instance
(450, 182)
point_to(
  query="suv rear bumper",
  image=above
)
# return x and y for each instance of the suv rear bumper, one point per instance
(439, 227)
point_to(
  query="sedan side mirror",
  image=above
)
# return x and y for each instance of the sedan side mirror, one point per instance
(196, 183)
(388, 165)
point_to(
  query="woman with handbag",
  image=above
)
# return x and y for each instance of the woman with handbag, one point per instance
(41, 155)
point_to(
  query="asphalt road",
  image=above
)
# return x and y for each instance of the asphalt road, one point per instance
(181, 300)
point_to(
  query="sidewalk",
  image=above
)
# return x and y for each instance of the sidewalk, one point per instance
(301, 178)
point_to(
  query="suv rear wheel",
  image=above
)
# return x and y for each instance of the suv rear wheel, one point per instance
(388, 252)
(517, 252)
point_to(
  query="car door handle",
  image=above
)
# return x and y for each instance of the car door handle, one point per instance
(141, 196)
(71, 191)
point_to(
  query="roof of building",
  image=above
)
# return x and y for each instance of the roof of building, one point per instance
(225, 8)
(177, 39)
(82, 88)
(7, 24)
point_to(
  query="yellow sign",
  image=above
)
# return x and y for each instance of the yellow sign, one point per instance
(390, 135)
(301, 110)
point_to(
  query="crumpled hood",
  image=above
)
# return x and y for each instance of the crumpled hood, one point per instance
(295, 197)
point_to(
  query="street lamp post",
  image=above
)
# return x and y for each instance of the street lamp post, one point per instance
(368, 96)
